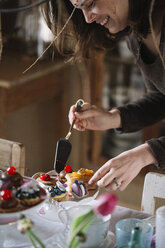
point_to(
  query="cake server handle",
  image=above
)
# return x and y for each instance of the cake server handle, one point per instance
(79, 105)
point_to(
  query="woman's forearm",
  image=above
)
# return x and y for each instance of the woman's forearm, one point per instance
(115, 119)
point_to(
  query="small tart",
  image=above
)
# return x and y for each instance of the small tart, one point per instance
(57, 192)
(7, 206)
(71, 177)
(29, 193)
(79, 188)
(86, 176)
(51, 181)
(31, 202)
(16, 179)
(59, 198)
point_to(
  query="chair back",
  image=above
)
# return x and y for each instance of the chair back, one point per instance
(12, 154)
(154, 187)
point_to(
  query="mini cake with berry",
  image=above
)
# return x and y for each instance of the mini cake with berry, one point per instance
(61, 176)
(46, 179)
(79, 189)
(71, 177)
(57, 192)
(11, 178)
(8, 202)
(29, 194)
(5, 182)
(86, 175)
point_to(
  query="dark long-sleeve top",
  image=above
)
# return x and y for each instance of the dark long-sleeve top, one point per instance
(151, 107)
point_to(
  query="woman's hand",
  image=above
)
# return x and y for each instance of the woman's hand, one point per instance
(94, 118)
(118, 172)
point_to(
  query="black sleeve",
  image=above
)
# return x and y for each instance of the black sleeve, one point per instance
(146, 111)
(157, 147)
(143, 112)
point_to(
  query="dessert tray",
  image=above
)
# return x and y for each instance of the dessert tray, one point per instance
(6, 218)
(92, 194)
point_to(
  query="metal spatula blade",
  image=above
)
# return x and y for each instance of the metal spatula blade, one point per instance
(64, 147)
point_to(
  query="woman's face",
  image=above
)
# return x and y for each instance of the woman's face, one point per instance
(112, 14)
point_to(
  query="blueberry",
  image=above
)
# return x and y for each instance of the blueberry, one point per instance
(37, 193)
(20, 196)
(52, 194)
(58, 191)
(33, 195)
(27, 195)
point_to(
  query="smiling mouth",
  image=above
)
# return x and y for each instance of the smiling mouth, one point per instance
(105, 21)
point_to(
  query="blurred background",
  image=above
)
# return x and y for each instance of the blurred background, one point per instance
(34, 105)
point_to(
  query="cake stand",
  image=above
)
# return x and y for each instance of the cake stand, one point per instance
(9, 219)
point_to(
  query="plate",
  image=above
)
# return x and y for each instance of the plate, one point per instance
(10, 217)
(92, 194)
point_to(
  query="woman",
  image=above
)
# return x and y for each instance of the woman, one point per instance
(143, 25)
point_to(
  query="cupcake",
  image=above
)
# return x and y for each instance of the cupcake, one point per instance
(46, 179)
(79, 189)
(29, 194)
(57, 192)
(5, 182)
(13, 176)
(61, 176)
(8, 202)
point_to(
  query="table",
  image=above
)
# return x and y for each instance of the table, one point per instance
(49, 231)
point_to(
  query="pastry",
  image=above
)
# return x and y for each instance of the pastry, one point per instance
(79, 189)
(29, 193)
(61, 176)
(57, 192)
(8, 202)
(46, 179)
(86, 175)
(13, 176)
(71, 177)
(5, 182)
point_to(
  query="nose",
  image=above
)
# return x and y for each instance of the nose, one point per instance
(89, 16)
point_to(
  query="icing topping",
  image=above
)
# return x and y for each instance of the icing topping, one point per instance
(28, 190)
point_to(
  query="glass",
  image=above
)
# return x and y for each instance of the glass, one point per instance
(97, 231)
(124, 228)
(160, 227)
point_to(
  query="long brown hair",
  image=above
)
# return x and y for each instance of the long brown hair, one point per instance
(79, 37)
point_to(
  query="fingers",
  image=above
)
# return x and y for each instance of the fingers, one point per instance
(87, 111)
(71, 115)
(80, 123)
(99, 173)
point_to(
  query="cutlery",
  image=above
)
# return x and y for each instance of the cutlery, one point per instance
(63, 147)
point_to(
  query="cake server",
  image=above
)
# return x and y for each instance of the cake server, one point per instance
(63, 147)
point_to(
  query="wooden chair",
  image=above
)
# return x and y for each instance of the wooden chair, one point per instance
(154, 187)
(12, 154)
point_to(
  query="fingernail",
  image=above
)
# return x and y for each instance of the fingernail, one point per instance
(90, 182)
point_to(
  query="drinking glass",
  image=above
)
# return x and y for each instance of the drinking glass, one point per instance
(97, 231)
(124, 228)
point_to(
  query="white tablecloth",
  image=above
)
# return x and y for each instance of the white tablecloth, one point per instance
(49, 231)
